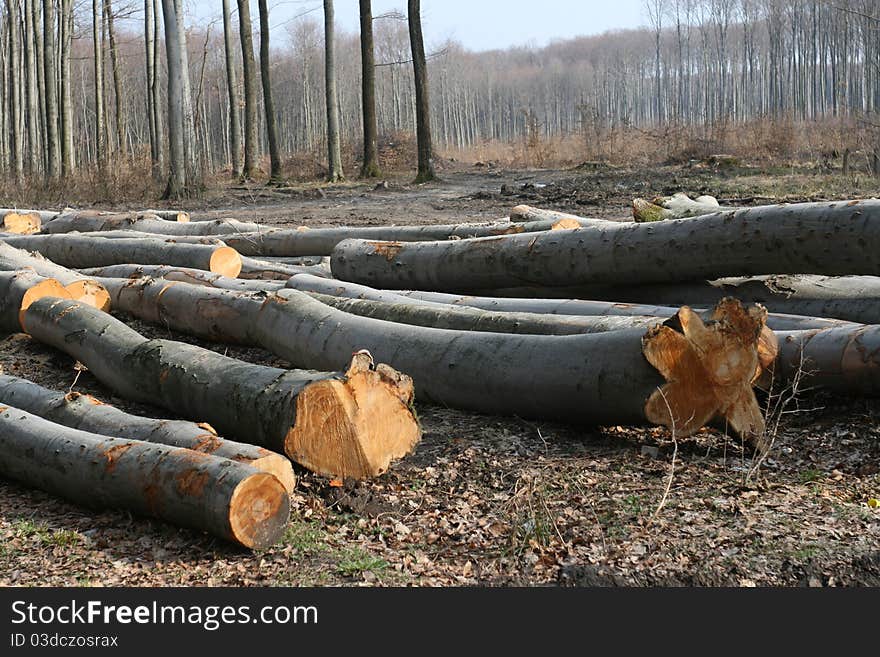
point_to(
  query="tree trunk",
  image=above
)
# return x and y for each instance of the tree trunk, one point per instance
(227, 499)
(86, 413)
(18, 290)
(79, 252)
(349, 424)
(78, 286)
(98, 46)
(105, 276)
(334, 152)
(370, 167)
(177, 178)
(68, 161)
(844, 359)
(157, 104)
(150, 70)
(169, 215)
(610, 381)
(117, 81)
(53, 154)
(423, 105)
(526, 213)
(268, 104)
(232, 88)
(322, 241)
(755, 241)
(677, 206)
(88, 221)
(252, 268)
(250, 90)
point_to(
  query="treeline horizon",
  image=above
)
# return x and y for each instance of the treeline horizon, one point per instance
(700, 66)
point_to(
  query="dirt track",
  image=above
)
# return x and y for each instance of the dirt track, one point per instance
(495, 501)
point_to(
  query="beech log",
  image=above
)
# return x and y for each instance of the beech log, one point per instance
(344, 424)
(526, 213)
(84, 412)
(839, 238)
(254, 268)
(677, 206)
(18, 290)
(21, 223)
(84, 222)
(211, 240)
(170, 215)
(44, 215)
(321, 241)
(227, 499)
(80, 252)
(78, 286)
(182, 275)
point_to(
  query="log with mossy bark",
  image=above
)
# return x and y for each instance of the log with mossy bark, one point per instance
(84, 412)
(345, 424)
(223, 497)
(321, 241)
(84, 222)
(839, 238)
(849, 298)
(78, 286)
(18, 290)
(80, 252)
(677, 206)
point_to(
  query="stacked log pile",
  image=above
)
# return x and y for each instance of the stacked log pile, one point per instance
(667, 321)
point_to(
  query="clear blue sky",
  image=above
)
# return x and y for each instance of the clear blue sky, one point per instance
(477, 24)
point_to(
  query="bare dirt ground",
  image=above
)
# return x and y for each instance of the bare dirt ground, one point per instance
(504, 501)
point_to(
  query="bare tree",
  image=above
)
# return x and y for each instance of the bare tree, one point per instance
(177, 182)
(370, 167)
(54, 147)
(232, 87)
(68, 162)
(117, 80)
(271, 127)
(250, 89)
(97, 43)
(334, 150)
(423, 105)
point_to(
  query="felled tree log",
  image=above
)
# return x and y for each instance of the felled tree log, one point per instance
(562, 220)
(18, 290)
(775, 321)
(850, 298)
(337, 288)
(78, 286)
(821, 238)
(844, 359)
(472, 319)
(254, 268)
(227, 499)
(601, 378)
(169, 215)
(211, 240)
(346, 424)
(44, 215)
(85, 222)
(86, 413)
(321, 241)
(677, 206)
(80, 252)
(179, 274)
(21, 223)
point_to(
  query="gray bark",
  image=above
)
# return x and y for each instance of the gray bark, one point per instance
(334, 153)
(820, 238)
(86, 413)
(250, 89)
(53, 153)
(268, 104)
(370, 166)
(227, 499)
(177, 178)
(232, 90)
(341, 424)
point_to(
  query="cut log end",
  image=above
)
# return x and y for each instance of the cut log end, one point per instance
(46, 288)
(519, 213)
(354, 427)
(90, 293)
(709, 369)
(22, 223)
(183, 217)
(278, 466)
(259, 511)
(566, 224)
(226, 261)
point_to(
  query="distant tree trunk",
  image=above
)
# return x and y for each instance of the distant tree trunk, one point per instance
(157, 102)
(54, 149)
(250, 89)
(149, 55)
(177, 155)
(15, 99)
(334, 152)
(32, 96)
(117, 81)
(232, 84)
(370, 168)
(271, 128)
(423, 106)
(97, 39)
(68, 163)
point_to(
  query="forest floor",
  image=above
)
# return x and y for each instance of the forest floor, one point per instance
(504, 501)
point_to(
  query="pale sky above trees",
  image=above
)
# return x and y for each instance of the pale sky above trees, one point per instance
(476, 24)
